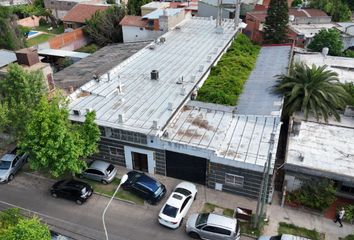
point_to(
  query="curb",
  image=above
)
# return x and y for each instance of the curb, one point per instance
(97, 193)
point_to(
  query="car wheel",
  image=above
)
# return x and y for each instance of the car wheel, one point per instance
(54, 195)
(10, 178)
(194, 235)
(104, 182)
(79, 201)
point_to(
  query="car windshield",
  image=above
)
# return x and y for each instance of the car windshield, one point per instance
(83, 190)
(170, 211)
(183, 191)
(202, 219)
(4, 165)
(110, 168)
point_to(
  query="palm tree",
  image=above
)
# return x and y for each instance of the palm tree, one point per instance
(312, 90)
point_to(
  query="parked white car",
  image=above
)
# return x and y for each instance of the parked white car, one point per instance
(282, 237)
(177, 205)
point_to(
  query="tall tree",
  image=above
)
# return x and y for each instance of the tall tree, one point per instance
(134, 6)
(327, 38)
(55, 144)
(276, 23)
(340, 10)
(103, 27)
(312, 90)
(20, 92)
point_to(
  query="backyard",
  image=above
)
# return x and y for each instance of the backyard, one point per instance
(47, 33)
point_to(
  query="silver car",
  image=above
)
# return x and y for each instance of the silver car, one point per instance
(213, 227)
(10, 163)
(100, 171)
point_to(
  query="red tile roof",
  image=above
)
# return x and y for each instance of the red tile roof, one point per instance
(309, 12)
(135, 21)
(81, 12)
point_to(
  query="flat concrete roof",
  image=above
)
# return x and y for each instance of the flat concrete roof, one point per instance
(342, 65)
(7, 57)
(62, 53)
(310, 30)
(156, 5)
(257, 97)
(323, 149)
(129, 94)
(159, 12)
(242, 138)
(97, 63)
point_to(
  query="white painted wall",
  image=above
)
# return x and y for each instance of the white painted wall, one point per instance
(129, 160)
(136, 34)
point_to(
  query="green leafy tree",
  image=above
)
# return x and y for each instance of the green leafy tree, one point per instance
(312, 90)
(90, 134)
(27, 229)
(349, 87)
(54, 143)
(20, 92)
(315, 194)
(4, 120)
(276, 23)
(134, 6)
(296, 3)
(103, 27)
(327, 38)
(340, 10)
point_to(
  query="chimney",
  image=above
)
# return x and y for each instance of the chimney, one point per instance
(154, 75)
(27, 57)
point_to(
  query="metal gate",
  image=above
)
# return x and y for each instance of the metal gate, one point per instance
(186, 167)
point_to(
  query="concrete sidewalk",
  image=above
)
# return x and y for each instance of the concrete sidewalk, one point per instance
(277, 214)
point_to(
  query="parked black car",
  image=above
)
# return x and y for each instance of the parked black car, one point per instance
(72, 189)
(144, 186)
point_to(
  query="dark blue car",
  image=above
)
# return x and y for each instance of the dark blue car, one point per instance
(144, 186)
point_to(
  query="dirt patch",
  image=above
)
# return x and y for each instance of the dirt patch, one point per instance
(202, 123)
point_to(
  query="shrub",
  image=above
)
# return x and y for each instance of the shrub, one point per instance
(315, 194)
(349, 87)
(225, 82)
(42, 22)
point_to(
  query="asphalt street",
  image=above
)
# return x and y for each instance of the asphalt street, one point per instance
(124, 221)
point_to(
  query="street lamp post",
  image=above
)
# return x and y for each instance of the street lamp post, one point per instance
(123, 179)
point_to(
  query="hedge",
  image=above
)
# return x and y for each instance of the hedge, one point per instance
(225, 82)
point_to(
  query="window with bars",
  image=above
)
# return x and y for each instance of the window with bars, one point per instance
(113, 151)
(234, 180)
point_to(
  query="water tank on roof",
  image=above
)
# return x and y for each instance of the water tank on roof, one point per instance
(325, 51)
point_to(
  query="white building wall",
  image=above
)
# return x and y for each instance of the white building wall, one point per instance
(136, 34)
(292, 183)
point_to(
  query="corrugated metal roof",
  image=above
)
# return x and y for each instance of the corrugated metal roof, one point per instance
(243, 138)
(188, 52)
(257, 97)
(7, 57)
(159, 12)
(62, 53)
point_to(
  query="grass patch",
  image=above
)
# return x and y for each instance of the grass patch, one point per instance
(247, 228)
(209, 207)
(108, 189)
(39, 39)
(225, 82)
(349, 237)
(90, 48)
(44, 28)
(285, 228)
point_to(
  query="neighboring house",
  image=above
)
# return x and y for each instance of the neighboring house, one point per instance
(77, 16)
(150, 26)
(60, 8)
(343, 66)
(148, 122)
(13, 2)
(152, 6)
(255, 22)
(347, 33)
(29, 60)
(318, 150)
(207, 8)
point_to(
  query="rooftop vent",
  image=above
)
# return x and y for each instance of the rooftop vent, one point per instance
(154, 75)
(120, 118)
(325, 51)
(162, 39)
(152, 46)
(165, 134)
(180, 80)
(76, 112)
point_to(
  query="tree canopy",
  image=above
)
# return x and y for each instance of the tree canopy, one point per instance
(327, 38)
(276, 23)
(20, 92)
(134, 6)
(313, 91)
(15, 227)
(103, 27)
(338, 9)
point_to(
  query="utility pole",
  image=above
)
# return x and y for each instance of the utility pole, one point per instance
(264, 186)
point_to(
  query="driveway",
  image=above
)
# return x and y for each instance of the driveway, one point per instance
(124, 221)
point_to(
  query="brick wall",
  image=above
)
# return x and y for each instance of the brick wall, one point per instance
(29, 21)
(69, 41)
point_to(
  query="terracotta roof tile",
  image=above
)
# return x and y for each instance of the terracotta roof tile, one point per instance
(81, 12)
(133, 21)
(308, 12)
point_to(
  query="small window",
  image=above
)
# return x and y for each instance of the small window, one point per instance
(209, 229)
(234, 180)
(222, 231)
(113, 151)
(69, 4)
